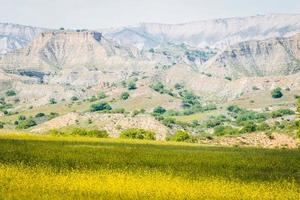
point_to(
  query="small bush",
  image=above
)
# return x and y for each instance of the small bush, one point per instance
(180, 136)
(26, 124)
(158, 87)
(228, 78)
(282, 112)
(255, 88)
(1, 125)
(74, 98)
(40, 115)
(21, 117)
(10, 93)
(52, 101)
(125, 95)
(178, 86)
(132, 85)
(249, 127)
(92, 99)
(101, 95)
(276, 93)
(159, 110)
(263, 127)
(225, 130)
(135, 133)
(169, 122)
(102, 106)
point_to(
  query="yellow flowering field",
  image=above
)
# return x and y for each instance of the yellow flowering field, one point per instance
(47, 167)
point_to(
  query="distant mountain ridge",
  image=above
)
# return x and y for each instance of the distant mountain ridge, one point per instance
(214, 33)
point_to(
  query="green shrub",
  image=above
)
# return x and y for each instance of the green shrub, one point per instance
(101, 95)
(158, 87)
(118, 110)
(228, 78)
(159, 110)
(135, 133)
(282, 112)
(25, 124)
(234, 109)
(40, 115)
(178, 86)
(189, 99)
(21, 117)
(249, 127)
(136, 112)
(180, 136)
(102, 106)
(132, 85)
(1, 125)
(125, 95)
(74, 98)
(52, 101)
(225, 130)
(276, 93)
(263, 127)
(169, 122)
(10, 93)
(215, 121)
(255, 88)
(92, 99)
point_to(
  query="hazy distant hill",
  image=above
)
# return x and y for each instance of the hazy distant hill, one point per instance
(213, 33)
(14, 36)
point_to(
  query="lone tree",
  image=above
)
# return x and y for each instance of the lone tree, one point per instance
(276, 93)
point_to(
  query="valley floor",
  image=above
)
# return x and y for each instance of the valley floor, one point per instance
(48, 167)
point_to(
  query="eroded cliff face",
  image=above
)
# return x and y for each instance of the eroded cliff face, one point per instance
(69, 62)
(271, 57)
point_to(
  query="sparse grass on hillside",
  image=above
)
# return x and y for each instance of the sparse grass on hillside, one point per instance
(44, 167)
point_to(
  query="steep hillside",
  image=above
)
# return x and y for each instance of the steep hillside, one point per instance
(214, 33)
(14, 36)
(271, 57)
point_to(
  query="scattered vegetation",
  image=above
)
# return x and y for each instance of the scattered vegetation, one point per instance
(282, 112)
(135, 133)
(26, 123)
(80, 132)
(225, 130)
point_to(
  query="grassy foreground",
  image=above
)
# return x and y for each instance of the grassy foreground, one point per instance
(46, 167)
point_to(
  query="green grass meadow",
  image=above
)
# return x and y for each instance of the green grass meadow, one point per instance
(49, 167)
